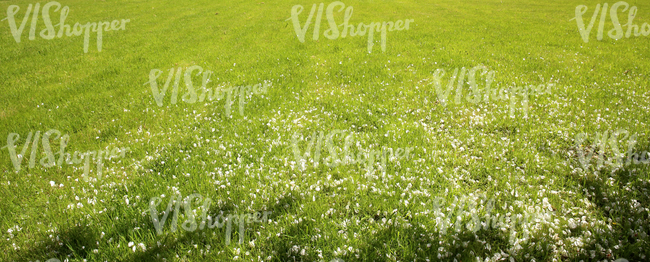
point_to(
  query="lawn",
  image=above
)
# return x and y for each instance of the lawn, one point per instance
(483, 130)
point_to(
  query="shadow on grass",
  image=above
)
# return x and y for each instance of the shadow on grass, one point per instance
(76, 242)
(171, 245)
(625, 204)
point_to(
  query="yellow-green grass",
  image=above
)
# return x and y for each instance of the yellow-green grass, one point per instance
(470, 152)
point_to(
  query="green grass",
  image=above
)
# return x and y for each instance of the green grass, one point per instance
(464, 153)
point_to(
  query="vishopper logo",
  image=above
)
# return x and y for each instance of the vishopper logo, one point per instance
(49, 32)
(617, 32)
(348, 157)
(616, 158)
(464, 214)
(190, 223)
(476, 92)
(49, 159)
(345, 28)
(207, 94)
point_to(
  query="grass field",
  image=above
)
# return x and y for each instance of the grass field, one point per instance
(483, 181)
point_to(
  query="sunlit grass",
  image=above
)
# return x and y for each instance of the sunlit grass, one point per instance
(465, 153)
